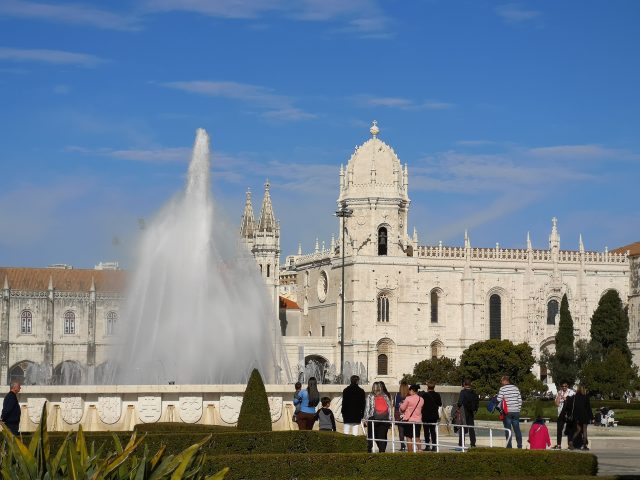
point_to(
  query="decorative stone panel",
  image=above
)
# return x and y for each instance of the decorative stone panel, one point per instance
(230, 408)
(190, 409)
(34, 408)
(149, 408)
(72, 409)
(109, 409)
(275, 408)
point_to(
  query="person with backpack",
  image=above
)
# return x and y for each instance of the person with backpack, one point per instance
(307, 400)
(468, 401)
(378, 415)
(411, 409)
(430, 415)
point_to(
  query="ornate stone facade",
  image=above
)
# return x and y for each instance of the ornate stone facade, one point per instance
(405, 302)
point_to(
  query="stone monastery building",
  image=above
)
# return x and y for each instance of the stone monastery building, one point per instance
(403, 302)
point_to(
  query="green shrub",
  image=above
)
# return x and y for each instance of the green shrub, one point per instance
(174, 427)
(294, 441)
(254, 412)
(478, 463)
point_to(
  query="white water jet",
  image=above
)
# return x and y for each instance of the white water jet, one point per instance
(197, 310)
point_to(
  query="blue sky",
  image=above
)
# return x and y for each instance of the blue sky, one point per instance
(507, 114)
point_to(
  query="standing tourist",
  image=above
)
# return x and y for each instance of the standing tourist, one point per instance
(431, 415)
(326, 420)
(403, 392)
(564, 393)
(468, 400)
(378, 415)
(583, 416)
(411, 410)
(298, 387)
(539, 435)
(352, 409)
(308, 400)
(11, 409)
(513, 399)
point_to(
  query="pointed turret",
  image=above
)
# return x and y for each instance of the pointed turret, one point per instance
(299, 248)
(317, 249)
(529, 247)
(467, 242)
(6, 283)
(248, 225)
(93, 285)
(580, 244)
(267, 222)
(554, 238)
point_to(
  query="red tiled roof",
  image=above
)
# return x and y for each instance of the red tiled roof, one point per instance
(632, 248)
(288, 304)
(66, 280)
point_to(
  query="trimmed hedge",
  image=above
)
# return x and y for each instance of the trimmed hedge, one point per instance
(174, 427)
(255, 415)
(240, 443)
(477, 463)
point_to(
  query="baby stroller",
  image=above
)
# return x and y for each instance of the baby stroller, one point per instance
(608, 419)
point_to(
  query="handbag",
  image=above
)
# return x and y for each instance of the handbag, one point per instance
(569, 416)
(503, 409)
(402, 417)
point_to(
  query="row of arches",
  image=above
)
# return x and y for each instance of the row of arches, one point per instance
(69, 324)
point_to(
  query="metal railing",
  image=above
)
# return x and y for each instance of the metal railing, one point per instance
(417, 442)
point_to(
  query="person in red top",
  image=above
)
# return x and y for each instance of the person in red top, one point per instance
(539, 435)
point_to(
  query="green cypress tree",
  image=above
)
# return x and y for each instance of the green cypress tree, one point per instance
(610, 326)
(563, 362)
(254, 413)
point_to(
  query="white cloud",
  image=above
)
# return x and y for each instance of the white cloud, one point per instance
(401, 103)
(516, 13)
(61, 89)
(68, 13)
(274, 106)
(571, 151)
(57, 57)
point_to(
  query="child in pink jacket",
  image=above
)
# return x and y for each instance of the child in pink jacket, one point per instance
(539, 435)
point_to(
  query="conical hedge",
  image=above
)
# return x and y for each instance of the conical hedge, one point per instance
(254, 413)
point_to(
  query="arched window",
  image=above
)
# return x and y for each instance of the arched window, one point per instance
(435, 303)
(26, 322)
(383, 308)
(67, 373)
(112, 319)
(437, 349)
(383, 364)
(552, 311)
(69, 323)
(544, 375)
(382, 241)
(260, 268)
(268, 270)
(495, 316)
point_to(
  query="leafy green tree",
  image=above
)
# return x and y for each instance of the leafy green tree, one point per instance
(611, 375)
(254, 412)
(486, 362)
(562, 363)
(442, 371)
(610, 325)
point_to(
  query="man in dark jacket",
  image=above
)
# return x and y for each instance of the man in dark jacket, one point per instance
(430, 414)
(468, 400)
(11, 409)
(353, 404)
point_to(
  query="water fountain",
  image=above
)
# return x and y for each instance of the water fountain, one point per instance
(197, 310)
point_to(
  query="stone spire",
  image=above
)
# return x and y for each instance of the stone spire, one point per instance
(299, 248)
(529, 247)
(467, 242)
(267, 222)
(248, 224)
(580, 244)
(554, 238)
(93, 285)
(6, 283)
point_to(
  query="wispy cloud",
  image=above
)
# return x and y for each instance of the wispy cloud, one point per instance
(76, 14)
(57, 57)
(582, 152)
(401, 103)
(152, 155)
(363, 17)
(516, 13)
(273, 105)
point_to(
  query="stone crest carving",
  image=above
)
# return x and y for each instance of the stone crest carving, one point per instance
(149, 408)
(72, 409)
(109, 409)
(190, 409)
(275, 407)
(34, 407)
(230, 408)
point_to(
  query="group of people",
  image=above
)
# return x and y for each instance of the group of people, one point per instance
(574, 415)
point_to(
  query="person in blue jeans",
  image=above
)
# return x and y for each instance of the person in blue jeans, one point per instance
(511, 395)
